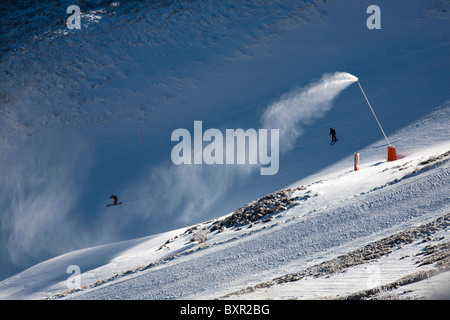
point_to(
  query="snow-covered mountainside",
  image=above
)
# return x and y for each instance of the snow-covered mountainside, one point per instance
(87, 113)
(380, 232)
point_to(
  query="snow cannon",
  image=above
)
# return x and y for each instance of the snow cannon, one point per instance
(392, 153)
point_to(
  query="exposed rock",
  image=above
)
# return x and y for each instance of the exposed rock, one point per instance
(262, 209)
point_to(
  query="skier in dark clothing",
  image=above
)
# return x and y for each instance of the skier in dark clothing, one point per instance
(114, 198)
(333, 136)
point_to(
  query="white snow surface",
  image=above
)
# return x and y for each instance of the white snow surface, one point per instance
(347, 209)
(160, 66)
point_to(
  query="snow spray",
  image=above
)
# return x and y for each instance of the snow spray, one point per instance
(304, 105)
(281, 119)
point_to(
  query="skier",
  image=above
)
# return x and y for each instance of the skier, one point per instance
(333, 136)
(115, 199)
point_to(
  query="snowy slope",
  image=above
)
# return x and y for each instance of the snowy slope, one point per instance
(332, 216)
(89, 113)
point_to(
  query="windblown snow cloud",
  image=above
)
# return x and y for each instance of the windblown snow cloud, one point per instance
(39, 188)
(301, 106)
(186, 193)
(180, 194)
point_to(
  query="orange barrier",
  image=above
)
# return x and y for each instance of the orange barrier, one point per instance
(392, 153)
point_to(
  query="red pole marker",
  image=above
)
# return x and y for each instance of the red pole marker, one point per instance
(356, 161)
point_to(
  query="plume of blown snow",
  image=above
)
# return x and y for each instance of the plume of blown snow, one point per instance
(300, 107)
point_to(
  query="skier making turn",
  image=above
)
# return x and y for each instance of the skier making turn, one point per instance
(114, 198)
(115, 201)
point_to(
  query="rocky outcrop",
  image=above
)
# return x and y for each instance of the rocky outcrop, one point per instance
(263, 209)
